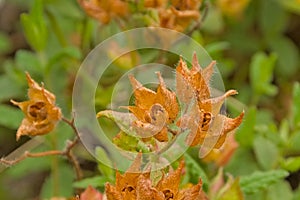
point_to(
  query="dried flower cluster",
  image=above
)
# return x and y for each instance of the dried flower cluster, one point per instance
(174, 14)
(190, 108)
(138, 186)
(41, 114)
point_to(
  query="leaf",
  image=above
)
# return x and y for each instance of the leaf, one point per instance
(261, 74)
(10, 117)
(96, 181)
(35, 27)
(288, 56)
(271, 24)
(8, 92)
(91, 193)
(232, 192)
(245, 133)
(296, 106)
(195, 171)
(266, 152)
(291, 164)
(105, 167)
(261, 180)
(5, 44)
(280, 190)
(291, 5)
(64, 182)
(28, 61)
(123, 120)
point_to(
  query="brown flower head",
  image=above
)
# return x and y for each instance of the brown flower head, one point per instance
(138, 186)
(41, 114)
(154, 110)
(104, 10)
(180, 14)
(204, 119)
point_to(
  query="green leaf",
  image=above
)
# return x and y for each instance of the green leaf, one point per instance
(10, 117)
(261, 180)
(266, 152)
(8, 92)
(126, 142)
(64, 54)
(28, 61)
(105, 167)
(232, 191)
(245, 133)
(271, 24)
(296, 106)
(5, 43)
(280, 190)
(123, 120)
(291, 164)
(59, 185)
(35, 27)
(291, 5)
(288, 55)
(195, 171)
(97, 181)
(261, 74)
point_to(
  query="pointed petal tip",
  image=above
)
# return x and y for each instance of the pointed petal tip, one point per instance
(14, 102)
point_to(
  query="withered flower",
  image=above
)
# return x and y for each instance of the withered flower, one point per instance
(138, 186)
(180, 14)
(204, 120)
(41, 114)
(104, 10)
(154, 110)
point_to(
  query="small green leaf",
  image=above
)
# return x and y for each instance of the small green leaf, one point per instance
(35, 27)
(5, 43)
(266, 152)
(105, 167)
(126, 142)
(245, 133)
(61, 185)
(195, 171)
(296, 106)
(97, 181)
(10, 117)
(288, 55)
(280, 190)
(261, 74)
(28, 61)
(272, 24)
(261, 180)
(123, 120)
(291, 164)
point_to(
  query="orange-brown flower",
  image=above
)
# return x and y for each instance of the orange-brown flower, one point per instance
(203, 119)
(154, 110)
(180, 14)
(138, 186)
(41, 114)
(104, 10)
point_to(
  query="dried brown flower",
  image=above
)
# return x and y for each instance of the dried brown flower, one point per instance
(41, 114)
(204, 119)
(104, 10)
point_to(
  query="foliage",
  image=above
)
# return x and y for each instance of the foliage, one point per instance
(257, 53)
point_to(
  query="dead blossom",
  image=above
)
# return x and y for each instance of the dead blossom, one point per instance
(41, 113)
